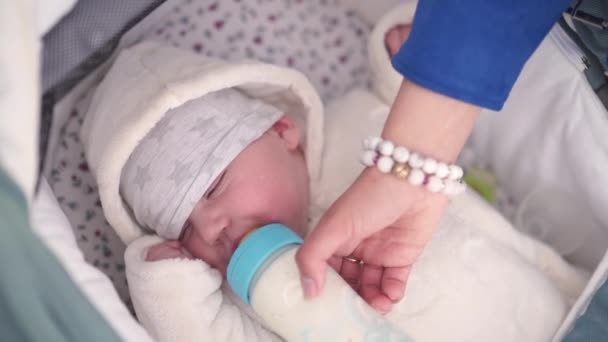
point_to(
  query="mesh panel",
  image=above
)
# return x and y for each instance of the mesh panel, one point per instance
(78, 44)
(88, 28)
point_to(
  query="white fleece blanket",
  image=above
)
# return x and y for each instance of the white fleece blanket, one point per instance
(474, 280)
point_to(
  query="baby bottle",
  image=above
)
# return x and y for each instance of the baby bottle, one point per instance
(264, 274)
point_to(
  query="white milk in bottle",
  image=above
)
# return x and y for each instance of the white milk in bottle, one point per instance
(264, 274)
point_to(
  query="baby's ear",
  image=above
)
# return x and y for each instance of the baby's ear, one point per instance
(288, 131)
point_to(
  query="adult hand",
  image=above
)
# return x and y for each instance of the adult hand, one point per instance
(381, 220)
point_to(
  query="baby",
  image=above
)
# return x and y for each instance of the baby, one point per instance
(267, 182)
(249, 197)
(238, 199)
(200, 151)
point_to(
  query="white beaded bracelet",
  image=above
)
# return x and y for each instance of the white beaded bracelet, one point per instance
(417, 170)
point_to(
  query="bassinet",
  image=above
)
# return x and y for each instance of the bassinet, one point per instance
(565, 137)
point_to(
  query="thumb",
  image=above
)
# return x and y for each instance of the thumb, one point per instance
(317, 249)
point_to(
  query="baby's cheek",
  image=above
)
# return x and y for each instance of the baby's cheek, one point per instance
(293, 210)
(212, 255)
(196, 249)
(272, 202)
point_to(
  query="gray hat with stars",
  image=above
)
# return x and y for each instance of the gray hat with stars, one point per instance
(173, 166)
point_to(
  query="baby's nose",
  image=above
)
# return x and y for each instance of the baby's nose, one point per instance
(213, 228)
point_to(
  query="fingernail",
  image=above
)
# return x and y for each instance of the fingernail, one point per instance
(309, 286)
(382, 308)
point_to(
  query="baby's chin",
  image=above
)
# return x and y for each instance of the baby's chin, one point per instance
(224, 271)
(222, 268)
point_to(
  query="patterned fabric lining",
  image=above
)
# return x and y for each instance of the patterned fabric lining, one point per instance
(317, 37)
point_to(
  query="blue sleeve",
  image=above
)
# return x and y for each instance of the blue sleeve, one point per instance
(473, 50)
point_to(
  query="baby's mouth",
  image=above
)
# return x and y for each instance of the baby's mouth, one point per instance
(236, 242)
(230, 244)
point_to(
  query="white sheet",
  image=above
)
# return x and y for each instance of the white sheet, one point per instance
(19, 93)
(49, 12)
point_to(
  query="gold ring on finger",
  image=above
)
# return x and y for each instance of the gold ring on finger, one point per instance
(354, 260)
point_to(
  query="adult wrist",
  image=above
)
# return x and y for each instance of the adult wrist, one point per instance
(429, 122)
(418, 170)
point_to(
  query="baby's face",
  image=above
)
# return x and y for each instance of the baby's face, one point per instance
(266, 183)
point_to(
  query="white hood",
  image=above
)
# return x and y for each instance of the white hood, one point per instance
(386, 80)
(149, 79)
